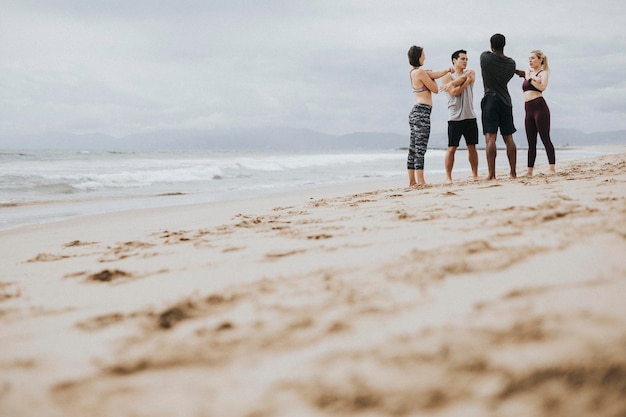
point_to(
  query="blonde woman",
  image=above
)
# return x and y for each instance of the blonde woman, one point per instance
(537, 112)
(423, 83)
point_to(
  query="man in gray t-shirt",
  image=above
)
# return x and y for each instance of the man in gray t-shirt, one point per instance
(461, 116)
(497, 109)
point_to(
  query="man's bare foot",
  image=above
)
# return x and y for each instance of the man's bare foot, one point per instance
(529, 172)
(552, 170)
(449, 181)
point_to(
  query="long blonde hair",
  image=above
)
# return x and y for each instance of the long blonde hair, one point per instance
(543, 57)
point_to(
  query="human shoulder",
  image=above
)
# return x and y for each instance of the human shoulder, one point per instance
(502, 60)
(544, 77)
(416, 72)
(487, 56)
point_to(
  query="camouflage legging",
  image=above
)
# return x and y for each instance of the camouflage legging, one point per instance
(419, 121)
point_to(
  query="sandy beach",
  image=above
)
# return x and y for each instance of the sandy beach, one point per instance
(501, 298)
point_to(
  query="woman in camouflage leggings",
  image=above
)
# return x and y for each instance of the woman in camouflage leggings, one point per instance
(423, 83)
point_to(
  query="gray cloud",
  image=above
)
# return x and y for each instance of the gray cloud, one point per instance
(123, 67)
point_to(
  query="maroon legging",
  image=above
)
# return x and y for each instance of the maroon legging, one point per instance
(538, 121)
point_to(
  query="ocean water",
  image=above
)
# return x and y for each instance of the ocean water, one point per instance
(42, 186)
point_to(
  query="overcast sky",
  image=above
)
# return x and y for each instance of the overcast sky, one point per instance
(338, 66)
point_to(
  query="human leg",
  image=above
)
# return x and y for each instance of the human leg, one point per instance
(419, 173)
(471, 139)
(530, 125)
(449, 163)
(543, 126)
(419, 122)
(490, 119)
(472, 155)
(507, 128)
(491, 151)
(411, 173)
(412, 146)
(421, 141)
(454, 136)
(511, 153)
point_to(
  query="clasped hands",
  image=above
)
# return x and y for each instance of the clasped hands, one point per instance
(468, 76)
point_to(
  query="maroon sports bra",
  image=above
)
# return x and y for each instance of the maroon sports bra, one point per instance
(527, 85)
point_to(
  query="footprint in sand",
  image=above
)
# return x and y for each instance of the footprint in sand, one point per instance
(319, 237)
(76, 243)
(9, 290)
(100, 322)
(278, 255)
(47, 257)
(107, 275)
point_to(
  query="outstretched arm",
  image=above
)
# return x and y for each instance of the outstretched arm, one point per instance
(438, 74)
(429, 83)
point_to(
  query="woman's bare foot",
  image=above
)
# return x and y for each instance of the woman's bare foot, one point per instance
(419, 173)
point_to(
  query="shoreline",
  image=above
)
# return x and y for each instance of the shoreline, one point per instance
(483, 298)
(16, 215)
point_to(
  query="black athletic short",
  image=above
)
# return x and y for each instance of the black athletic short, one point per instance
(496, 114)
(467, 128)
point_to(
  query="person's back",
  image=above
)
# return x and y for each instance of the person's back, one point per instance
(497, 109)
(497, 71)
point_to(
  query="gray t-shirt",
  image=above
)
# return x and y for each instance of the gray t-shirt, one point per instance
(497, 72)
(461, 107)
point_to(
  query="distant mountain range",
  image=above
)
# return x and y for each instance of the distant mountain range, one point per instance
(279, 138)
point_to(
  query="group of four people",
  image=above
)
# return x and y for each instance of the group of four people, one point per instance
(496, 106)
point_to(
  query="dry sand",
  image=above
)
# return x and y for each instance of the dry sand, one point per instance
(504, 298)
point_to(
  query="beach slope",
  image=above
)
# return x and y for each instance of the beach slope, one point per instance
(501, 298)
